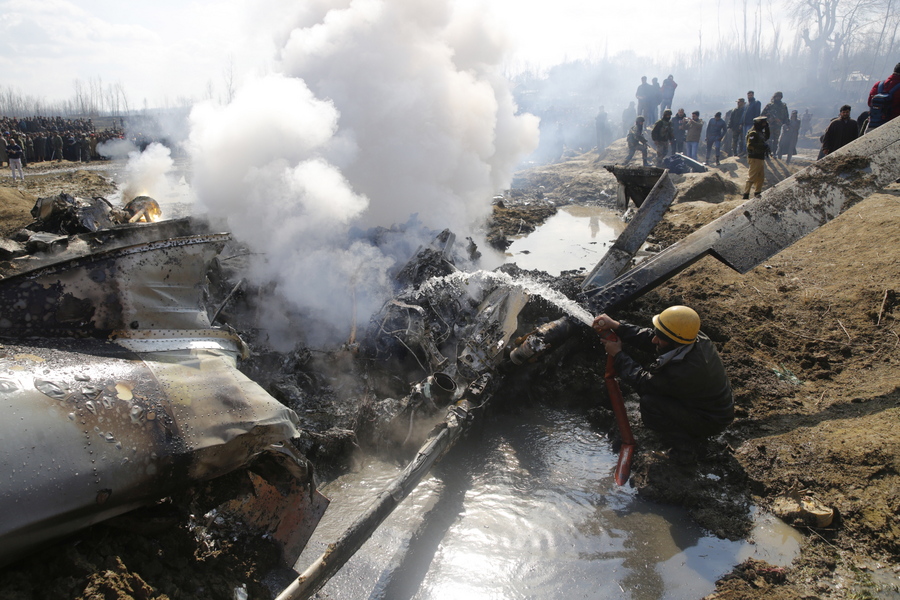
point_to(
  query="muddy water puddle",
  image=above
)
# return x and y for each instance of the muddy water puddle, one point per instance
(528, 508)
(576, 237)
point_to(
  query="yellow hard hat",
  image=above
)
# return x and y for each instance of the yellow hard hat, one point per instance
(681, 324)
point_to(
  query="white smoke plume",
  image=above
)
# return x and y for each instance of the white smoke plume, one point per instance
(381, 109)
(117, 149)
(148, 173)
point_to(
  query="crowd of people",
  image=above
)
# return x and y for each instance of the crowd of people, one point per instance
(39, 139)
(685, 394)
(726, 134)
(748, 130)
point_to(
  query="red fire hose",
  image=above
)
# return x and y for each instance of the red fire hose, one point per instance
(626, 451)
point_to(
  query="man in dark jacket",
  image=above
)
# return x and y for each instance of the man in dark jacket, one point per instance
(715, 133)
(751, 111)
(757, 150)
(668, 92)
(643, 95)
(736, 126)
(636, 141)
(685, 393)
(777, 114)
(655, 100)
(663, 135)
(841, 131)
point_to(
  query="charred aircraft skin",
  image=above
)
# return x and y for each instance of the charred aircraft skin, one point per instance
(119, 392)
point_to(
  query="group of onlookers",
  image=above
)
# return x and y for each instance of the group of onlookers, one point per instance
(39, 139)
(39, 123)
(755, 131)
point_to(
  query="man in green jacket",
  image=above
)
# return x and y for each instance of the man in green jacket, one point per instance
(685, 394)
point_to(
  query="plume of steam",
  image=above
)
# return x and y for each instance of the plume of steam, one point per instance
(381, 109)
(148, 173)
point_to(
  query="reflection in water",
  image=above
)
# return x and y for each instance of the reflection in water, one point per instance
(528, 509)
(576, 237)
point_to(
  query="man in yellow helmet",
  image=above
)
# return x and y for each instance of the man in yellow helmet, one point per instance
(685, 394)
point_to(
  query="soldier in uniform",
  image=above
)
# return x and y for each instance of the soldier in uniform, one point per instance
(636, 141)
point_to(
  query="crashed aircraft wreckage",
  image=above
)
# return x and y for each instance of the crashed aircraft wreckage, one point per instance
(743, 238)
(119, 392)
(124, 371)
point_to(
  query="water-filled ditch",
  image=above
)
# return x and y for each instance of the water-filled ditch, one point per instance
(527, 506)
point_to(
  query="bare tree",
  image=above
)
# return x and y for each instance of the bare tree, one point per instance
(827, 26)
(120, 91)
(228, 80)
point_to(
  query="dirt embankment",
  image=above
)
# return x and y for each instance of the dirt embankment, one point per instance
(810, 340)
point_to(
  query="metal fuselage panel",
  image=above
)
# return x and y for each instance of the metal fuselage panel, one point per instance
(93, 430)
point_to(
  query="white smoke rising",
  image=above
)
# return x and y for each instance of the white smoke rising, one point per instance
(148, 173)
(382, 109)
(116, 149)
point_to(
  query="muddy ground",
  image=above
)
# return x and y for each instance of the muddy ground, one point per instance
(810, 340)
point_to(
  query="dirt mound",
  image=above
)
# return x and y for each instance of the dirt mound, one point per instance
(15, 210)
(708, 187)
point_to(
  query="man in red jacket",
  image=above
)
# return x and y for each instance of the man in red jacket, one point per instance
(893, 108)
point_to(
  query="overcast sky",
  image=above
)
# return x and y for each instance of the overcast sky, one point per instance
(168, 49)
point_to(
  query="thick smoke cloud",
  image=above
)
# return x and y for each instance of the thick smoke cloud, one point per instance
(149, 173)
(381, 110)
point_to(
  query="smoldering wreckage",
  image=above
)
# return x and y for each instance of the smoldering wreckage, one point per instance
(121, 389)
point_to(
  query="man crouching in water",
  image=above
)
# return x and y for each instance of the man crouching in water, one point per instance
(685, 394)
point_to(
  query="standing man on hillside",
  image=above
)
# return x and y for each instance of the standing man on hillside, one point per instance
(636, 141)
(790, 135)
(693, 128)
(751, 111)
(757, 150)
(736, 126)
(15, 153)
(643, 95)
(806, 122)
(58, 147)
(715, 133)
(777, 114)
(668, 92)
(678, 120)
(663, 135)
(841, 131)
(655, 100)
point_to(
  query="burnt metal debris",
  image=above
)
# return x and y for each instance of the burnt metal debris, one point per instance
(122, 362)
(425, 323)
(119, 392)
(634, 183)
(652, 208)
(455, 327)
